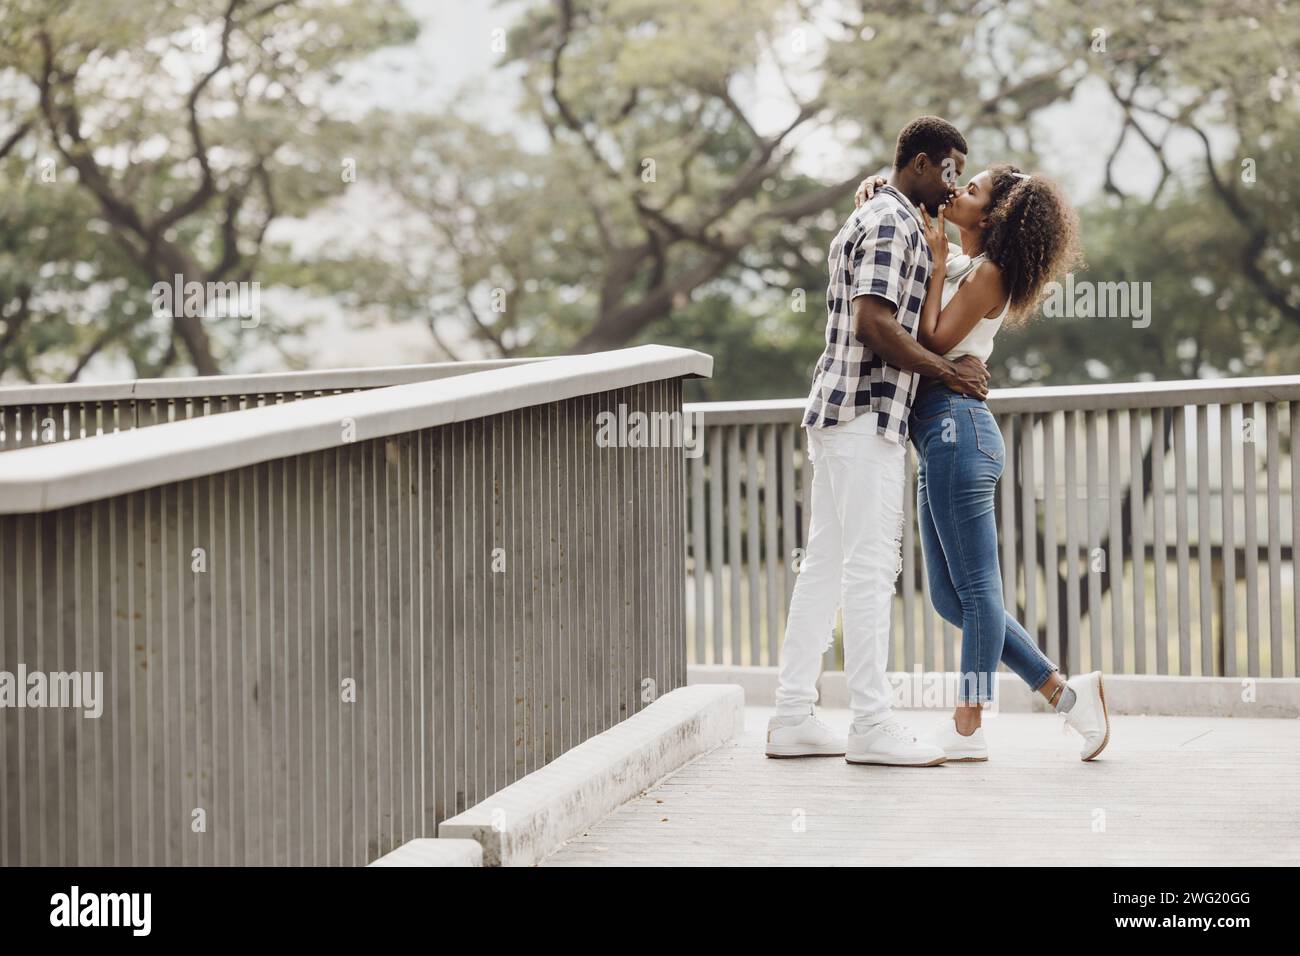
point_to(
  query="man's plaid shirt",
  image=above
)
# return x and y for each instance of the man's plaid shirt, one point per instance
(882, 251)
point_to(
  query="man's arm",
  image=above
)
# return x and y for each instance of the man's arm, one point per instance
(875, 326)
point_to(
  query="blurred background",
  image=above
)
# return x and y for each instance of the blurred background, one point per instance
(419, 180)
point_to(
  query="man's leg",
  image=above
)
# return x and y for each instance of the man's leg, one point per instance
(867, 475)
(868, 479)
(794, 730)
(816, 596)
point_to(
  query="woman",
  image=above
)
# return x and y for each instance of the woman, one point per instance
(1018, 232)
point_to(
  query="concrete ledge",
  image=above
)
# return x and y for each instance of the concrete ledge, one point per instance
(521, 824)
(431, 852)
(66, 473)
(257, 383)
(1125, 693)
(1048, 398)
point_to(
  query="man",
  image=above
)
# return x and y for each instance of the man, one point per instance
(856, 427)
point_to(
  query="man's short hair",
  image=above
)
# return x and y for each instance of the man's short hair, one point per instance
(932, 135)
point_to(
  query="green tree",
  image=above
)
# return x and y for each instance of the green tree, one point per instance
(634, 194)
(655, 184)
(656, 209)
(153, 139)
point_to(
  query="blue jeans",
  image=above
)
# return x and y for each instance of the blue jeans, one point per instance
(961, 457)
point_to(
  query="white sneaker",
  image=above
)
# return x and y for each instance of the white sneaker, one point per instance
(957, 747)
(802, 737)
(1088, 716)
(893, 745)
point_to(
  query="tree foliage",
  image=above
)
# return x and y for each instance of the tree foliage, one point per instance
(671, 170)
(174, 134)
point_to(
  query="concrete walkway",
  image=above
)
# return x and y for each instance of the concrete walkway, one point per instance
(1167, 790)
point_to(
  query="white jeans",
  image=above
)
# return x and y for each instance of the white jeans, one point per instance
(852, 561)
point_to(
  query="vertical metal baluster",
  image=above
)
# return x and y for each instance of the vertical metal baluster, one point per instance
(771, 553)
(1274, 542)
(1293, 417)
(1182, 542)
(1137, 533)
(1228, 548)
(752, 542)
(699, 555)
(1007, 507)
(1250, 491)
(1029, 526)
(1115, 553)
(734, 565)
(1096, 558)
(1051, 555)
(1159, 543)
(717, 478)
(1204, 541)
(1070, 437)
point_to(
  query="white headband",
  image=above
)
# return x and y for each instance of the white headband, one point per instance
(1022, 176)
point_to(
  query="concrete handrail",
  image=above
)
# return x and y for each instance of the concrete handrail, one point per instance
(1054, 398)
(261, 383)
(59, 475)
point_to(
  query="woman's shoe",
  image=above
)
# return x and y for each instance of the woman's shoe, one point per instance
(957, 747)
(1088, 716)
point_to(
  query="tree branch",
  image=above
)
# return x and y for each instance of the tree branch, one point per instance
(207, 183)
(15, 138)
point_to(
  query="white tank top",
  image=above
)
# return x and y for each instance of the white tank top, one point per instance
(979, 340)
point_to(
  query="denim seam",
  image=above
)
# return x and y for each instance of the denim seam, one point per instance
(975, 425)
(947, 410)
(942, 557)
(1048, 668)
(1038, 684)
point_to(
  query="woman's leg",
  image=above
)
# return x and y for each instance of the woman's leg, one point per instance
(1019, 651)
(961, 479)
(1021, 654)
(942, 593)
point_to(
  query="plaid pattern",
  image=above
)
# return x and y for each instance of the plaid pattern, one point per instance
(880, 250)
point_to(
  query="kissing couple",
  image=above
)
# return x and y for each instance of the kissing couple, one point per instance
(910, 325)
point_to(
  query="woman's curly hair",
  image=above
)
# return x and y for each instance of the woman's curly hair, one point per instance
(1032, 235)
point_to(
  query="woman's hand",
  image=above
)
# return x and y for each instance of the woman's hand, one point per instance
(866, 189)
(936, 237)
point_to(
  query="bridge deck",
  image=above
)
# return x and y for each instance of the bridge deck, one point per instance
(1168, 790)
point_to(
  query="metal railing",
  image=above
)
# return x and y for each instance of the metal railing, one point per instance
(323, 627)
(1165, 556)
